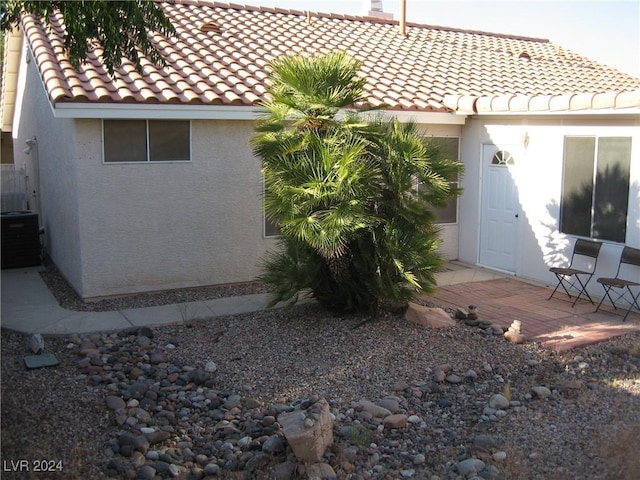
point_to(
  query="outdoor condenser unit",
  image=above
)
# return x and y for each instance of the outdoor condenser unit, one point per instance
(20, 239)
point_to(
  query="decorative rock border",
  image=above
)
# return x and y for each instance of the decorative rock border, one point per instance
(471, 318)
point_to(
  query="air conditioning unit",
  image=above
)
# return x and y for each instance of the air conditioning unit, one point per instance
(20, 239)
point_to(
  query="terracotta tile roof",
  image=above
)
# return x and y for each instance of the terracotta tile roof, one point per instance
(220, 54)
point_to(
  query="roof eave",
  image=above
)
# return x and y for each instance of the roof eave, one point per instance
(11, 64)
(160, 111)
(216, 112)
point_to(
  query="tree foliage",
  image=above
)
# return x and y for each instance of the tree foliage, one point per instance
(342, 186)
(119, 27)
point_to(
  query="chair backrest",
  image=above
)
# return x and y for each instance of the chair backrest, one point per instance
(587, 248)
(630, 256)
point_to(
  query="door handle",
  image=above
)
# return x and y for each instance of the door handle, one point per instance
(517, 215)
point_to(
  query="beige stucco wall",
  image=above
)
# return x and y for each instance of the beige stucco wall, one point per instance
(169, 225)
(538, 177)
(54, 183)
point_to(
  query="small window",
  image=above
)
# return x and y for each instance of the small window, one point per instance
(449, 148)
(146, 141)
(270, 228)
(502, 158)
(448, 213)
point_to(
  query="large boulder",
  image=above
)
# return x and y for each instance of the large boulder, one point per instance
(429, 317)
(309, 432)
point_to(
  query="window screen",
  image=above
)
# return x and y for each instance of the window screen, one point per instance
(125, 141)
(168, 140)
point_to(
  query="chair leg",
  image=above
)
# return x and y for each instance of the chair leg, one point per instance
(583, 290)
(566, 290)
(633, 303)
(555, 289)
(606, 294)
(560, 284)
(607, 289)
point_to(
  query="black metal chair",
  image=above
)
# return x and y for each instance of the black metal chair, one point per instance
(630, 257)
(570, 277)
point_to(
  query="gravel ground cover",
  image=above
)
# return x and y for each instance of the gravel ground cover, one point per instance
(201, 400)
(69, 299)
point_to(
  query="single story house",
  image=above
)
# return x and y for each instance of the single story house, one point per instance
(146, 181)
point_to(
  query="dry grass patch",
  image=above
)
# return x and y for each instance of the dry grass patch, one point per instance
(619, 447)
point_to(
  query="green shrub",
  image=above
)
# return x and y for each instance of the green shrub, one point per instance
(357, 231)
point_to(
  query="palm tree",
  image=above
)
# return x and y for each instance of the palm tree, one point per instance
(356, 231)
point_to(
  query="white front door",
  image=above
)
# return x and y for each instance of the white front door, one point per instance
(499, 209)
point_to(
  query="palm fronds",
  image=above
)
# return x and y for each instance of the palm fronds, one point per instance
(351, 194)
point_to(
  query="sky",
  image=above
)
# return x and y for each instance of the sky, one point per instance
(607, 31)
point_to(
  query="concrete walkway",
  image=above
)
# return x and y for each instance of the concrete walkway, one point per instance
(28, 306)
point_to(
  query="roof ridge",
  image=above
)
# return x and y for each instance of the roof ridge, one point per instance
(343, 16)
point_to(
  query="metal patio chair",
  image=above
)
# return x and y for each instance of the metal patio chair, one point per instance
(630, 257)
(578, 278)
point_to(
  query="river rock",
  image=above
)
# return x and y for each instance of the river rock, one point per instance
(390, 404)
(541, 392)
(321, 471)
(498, 401)
(373, 409)
(284, 471)
(398, 420)
(115, 403)
(470, 466)
(274, 444)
